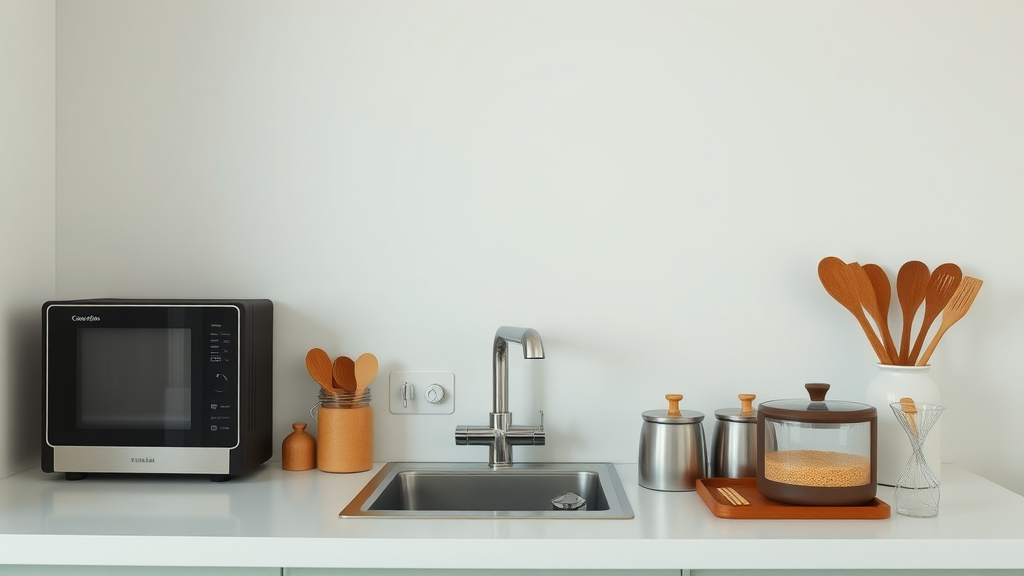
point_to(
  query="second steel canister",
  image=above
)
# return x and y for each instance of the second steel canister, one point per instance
(734, 441)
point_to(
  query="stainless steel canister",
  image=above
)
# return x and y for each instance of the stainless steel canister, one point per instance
(673, 454)
(734, 441)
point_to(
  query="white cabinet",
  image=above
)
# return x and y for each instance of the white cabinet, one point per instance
(856, 572)
(134, 571)
(204, 571)
(438, 572)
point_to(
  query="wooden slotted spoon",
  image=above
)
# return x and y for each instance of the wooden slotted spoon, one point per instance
(837, 278)
(941, 286)
(875, 294)
(957, 307)
(911, 289)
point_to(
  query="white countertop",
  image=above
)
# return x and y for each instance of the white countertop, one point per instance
(290, 519)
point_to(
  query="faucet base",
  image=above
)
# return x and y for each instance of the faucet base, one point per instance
(500, 437)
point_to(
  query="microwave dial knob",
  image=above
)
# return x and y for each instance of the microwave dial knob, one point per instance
(220, 383)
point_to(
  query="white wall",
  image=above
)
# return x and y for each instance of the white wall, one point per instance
(649, 184)
(27, 139)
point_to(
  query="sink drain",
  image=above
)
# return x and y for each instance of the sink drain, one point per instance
(569, 501)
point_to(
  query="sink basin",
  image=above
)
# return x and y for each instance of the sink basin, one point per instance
(472, 490)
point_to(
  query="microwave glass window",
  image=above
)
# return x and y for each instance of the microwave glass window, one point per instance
(135, 378)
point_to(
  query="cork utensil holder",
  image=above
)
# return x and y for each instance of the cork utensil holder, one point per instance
(345, 433)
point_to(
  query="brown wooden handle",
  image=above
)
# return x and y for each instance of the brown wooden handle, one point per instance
(747, 403)
(673, 404)
(817, 392)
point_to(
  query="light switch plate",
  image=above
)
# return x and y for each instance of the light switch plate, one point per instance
(412, 392)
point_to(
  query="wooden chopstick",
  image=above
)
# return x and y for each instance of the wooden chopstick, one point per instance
(739, 497)
(733, 496)
(729, 497)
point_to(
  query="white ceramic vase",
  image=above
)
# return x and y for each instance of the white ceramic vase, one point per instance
(891, 384)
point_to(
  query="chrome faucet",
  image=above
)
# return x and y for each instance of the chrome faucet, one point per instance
(500, 436)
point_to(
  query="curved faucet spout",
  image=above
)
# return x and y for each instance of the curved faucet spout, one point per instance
(533, 349)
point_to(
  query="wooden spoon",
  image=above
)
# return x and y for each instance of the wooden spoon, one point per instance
(837, 278)
(911, 288)
(941, 286)
(366, 371)
(319, 365)
(873, 286)
(344, 374)
(957, 307)
(910, 409)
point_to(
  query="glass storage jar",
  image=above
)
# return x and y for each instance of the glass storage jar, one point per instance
(817, 453)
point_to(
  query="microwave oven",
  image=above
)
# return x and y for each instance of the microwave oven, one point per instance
(157, 386)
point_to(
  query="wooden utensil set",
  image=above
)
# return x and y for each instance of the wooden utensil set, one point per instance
(344, 374)
(866, 288)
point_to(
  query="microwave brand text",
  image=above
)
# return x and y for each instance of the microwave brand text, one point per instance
(89, 318)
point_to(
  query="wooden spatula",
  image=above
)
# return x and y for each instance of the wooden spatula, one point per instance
(957, 307)
(838, 280)
(883, 293)
(873, 286)
(941, 286)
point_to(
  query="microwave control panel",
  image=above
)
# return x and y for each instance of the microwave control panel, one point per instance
(221, 394)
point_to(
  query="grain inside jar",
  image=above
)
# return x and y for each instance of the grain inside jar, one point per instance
(817, 468)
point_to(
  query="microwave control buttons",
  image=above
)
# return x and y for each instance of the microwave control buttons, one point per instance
(220, 382)
(219, 343)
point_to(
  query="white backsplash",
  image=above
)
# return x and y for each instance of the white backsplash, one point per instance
(649, 185)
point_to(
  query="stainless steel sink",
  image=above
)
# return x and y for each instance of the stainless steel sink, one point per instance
(471, 490)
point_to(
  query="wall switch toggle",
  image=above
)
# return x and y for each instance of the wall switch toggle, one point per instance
(422, 393)
(408, 392)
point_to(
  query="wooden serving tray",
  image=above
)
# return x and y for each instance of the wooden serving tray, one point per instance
(761, 508)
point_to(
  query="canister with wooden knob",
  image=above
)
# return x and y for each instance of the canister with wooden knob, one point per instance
(734, 441)
(673, 454)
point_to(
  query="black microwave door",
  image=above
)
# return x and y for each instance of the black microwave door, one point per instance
(140, 376)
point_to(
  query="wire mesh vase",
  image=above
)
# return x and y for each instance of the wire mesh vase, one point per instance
(917, 489)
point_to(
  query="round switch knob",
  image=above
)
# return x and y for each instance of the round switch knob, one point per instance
(434, 394)
(220, 383)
